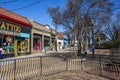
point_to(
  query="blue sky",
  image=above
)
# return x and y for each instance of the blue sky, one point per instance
(37, 12)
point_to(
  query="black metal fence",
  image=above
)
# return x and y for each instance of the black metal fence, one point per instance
(26, 68)
(103, 66)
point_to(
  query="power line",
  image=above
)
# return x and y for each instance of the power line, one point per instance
(32, 4)
(10, 1)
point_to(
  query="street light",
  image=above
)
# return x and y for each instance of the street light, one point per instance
(56, 43)
(56, 38)
(93, 52)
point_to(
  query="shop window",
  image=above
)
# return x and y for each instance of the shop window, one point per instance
(22, 45)
(8, 44)
(46, 41)
(59, 43)
(37, 42)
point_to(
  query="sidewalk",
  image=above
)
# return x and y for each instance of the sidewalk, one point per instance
(38, 54)
(100, 51)
(97, 51)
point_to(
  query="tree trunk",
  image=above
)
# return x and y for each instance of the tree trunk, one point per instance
(79, 48)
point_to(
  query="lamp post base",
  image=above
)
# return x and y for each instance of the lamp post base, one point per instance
(93, 55)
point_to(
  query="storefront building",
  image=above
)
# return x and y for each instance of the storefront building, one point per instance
(40, 37)
(14, 33)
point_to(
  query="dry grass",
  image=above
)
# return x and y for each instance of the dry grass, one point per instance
(70, 75)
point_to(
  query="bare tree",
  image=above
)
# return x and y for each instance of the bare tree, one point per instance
(112, 32)
(78, 14)
(55, 15)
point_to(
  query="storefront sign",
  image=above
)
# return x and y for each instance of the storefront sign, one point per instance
(9, 27)
(9, 33)
(25, 35)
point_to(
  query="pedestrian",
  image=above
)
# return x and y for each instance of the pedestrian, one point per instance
(1, 52)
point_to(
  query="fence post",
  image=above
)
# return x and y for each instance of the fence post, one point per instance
(66, 63)
(14, 69)
(41, 65)
(100, 65)
(81, 63)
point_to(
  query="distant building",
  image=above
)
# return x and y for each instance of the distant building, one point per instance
(65, 42)
(99, 39)
(60, 42)
(40, 37)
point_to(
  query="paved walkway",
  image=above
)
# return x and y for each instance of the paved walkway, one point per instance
(39, 54)
(97, 51)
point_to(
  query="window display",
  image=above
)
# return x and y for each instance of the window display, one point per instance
(37, 42)
(22, 45)
(8, 44)
(46, 41)
(12, 44)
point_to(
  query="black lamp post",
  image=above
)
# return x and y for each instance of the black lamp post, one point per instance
(56, 38)
(93, 52)
(93, 48)
(56, 43)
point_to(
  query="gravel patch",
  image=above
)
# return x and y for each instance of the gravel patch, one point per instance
(70, 75)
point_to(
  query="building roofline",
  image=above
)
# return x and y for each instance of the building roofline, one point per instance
(12, 19)
(12, 12)
(37, 22)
